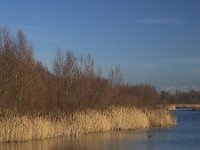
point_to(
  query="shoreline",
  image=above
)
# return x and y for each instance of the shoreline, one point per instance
(15, 128)
(171, 107)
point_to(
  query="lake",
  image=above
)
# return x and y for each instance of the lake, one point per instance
(184, 136)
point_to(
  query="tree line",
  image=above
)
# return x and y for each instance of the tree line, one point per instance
(75, 82)
(180, 97)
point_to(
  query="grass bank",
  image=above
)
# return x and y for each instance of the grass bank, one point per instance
(175, 106)
(15, 128)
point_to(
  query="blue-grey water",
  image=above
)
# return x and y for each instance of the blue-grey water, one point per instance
(184, 136)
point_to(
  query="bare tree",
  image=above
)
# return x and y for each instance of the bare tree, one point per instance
(24, 71)
(116, 76)
(71, 79)
(89, 66)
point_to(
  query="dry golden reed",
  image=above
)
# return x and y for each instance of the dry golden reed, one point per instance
(23, 128)
(160, 118)
(28, 128)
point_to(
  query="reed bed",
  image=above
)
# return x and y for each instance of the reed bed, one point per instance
(15, 128)
(160, 118)
(171, 107)
(128, 118)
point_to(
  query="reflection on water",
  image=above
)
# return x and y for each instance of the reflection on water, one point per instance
(93, 141)
(186, 135)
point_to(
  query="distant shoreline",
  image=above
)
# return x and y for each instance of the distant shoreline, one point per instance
(195, 107)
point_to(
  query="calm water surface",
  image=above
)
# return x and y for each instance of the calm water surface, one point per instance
(184, 136)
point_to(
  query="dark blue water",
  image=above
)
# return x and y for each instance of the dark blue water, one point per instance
(184, 136)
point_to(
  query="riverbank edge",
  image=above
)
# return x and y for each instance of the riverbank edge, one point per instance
(172, 107)
(15, 128)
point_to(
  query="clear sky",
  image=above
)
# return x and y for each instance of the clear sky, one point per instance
(154, 41)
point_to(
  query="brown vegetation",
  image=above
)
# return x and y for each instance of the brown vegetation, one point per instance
(26, 86)
(180, 97)
(23, 128)
(35, 97)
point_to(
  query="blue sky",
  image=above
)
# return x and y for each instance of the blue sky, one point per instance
(154, 41)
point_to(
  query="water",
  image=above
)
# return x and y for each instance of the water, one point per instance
(184, 136)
